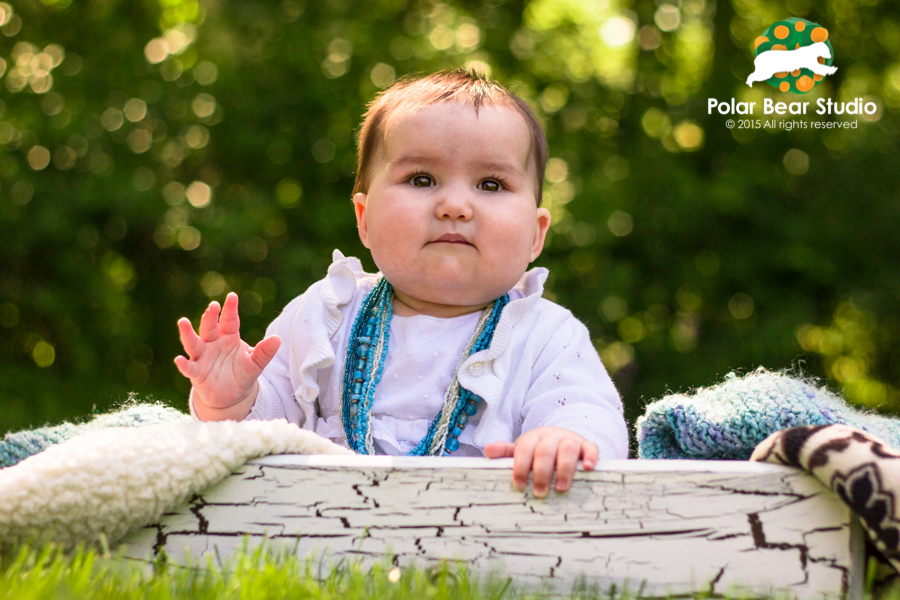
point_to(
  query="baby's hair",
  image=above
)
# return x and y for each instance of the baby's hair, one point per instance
(460, 86)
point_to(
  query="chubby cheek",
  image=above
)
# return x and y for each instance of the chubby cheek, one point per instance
(512, 238)
(392, 233)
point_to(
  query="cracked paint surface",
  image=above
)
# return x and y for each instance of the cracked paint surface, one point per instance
(676, 532)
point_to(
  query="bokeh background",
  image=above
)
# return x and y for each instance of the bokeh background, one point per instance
(156, 154)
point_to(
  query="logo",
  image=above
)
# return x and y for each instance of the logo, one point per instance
(793, 55)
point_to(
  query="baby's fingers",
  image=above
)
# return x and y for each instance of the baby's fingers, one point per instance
(523, 456)
(265, 351)
(543, 464)
(500, 450)
(209, 323)
(230, 321)
(566, 463)
(590, 455)
(186, 367)
(192, 343)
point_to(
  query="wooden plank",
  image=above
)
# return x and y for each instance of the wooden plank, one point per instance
(672, 526)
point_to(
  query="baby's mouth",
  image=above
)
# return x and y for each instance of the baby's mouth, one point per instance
(453, 238)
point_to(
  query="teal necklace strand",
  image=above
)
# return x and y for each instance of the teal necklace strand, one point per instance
(364, 364)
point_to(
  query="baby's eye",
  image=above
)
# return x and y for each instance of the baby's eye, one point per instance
(421, 181)
(490, 185)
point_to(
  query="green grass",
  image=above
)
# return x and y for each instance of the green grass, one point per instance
(50, 573)
(86, 573)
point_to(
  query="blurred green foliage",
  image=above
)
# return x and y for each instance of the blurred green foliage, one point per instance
(156, 154)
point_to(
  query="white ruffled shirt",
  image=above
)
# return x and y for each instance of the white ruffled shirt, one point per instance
(540, 370)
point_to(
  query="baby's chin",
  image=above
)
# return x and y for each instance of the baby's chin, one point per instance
(450, 280)
(462, 291)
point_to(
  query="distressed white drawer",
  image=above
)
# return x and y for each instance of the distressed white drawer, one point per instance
(678, 526)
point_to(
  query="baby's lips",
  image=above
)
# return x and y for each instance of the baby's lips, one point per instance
(455, 238)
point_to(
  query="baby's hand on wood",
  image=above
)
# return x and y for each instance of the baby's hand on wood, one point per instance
(222, 367)
(542, 450)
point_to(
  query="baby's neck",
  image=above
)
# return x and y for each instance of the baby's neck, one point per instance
(407, 306)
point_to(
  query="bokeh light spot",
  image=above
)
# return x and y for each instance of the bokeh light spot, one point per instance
(155, 51)
(213, 284)
(288, 192)
(796, 162)
(64, 158)
(667, 17)
(613, 308)
(38, 158)
(383, 75)
(196, 136)
(140, 140)
(617, 31)
(620, 223)
(656, 123)
(741, 306)
(198, 194)
(135, 110)
(112, 119)
(189, 238)
(44, 354)
(203, 105)
(206, 73)
(557, 170)
(688, 135)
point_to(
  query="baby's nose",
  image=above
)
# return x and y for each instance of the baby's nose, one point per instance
(455, 204)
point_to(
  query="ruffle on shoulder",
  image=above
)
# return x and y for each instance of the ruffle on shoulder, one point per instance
(321, 317)
(338, 287)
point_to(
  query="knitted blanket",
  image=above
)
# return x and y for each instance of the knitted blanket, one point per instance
(728, 420)
(20, 445)
(108, 481)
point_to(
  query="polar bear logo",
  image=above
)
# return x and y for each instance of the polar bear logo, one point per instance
(768, 63)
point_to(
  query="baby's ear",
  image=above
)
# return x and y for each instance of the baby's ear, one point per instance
(359, 205)
(540, 232)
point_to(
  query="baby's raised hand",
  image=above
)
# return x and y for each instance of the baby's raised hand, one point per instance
(222, 367)
(542, 450)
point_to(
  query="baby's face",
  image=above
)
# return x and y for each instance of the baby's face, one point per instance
(450, 216)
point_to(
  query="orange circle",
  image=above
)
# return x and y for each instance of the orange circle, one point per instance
(818, 77)
(781, 75)
(781, 32)
(821, 60)
(797, 45)
(804, 84)
(799, 25)
(819, 34)
(759, 41)
(784, 86)
(795, 73)
(779, 47)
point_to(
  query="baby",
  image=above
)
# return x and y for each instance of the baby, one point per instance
(450, 348)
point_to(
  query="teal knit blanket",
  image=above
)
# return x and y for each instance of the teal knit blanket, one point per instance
(725, 421)
(728, 420)
(18, 446)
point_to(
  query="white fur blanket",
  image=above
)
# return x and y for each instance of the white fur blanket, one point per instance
(106, 483)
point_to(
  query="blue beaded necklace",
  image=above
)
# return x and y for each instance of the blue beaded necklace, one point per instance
(365, 362)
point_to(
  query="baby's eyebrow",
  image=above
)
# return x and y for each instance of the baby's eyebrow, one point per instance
(503, 166)
(409, 160)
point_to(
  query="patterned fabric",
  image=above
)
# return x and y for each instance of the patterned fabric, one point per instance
(857, 466)
(728, 420)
